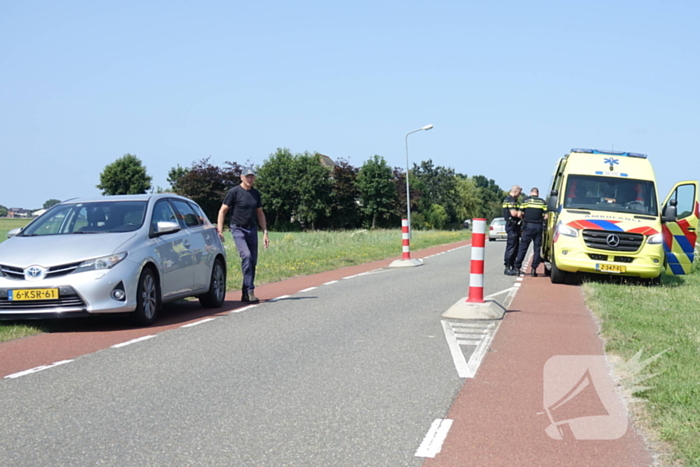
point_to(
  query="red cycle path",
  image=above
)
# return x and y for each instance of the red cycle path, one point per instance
(72, 338)
(495, 414)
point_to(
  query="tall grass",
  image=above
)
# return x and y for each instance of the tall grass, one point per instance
(635, 317)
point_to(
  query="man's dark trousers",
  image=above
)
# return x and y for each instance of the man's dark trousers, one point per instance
(512, 242)
(246, 241)
(531, 233)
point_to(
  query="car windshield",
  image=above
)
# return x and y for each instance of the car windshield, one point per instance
(497, 222)
(89, 218)
(611, 194)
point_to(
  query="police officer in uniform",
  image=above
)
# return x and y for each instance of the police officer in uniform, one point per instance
(512, 214)
(534, 213)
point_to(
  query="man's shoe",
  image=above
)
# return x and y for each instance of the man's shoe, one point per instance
(244, 298)
(534, 272)
(252, 298)
(510, 271)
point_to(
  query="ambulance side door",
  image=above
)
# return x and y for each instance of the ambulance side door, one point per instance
(680, 235)
(555, 186)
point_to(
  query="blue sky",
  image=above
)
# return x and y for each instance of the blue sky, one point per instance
(510, 86)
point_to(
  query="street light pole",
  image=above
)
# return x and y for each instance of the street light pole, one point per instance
(408, 188)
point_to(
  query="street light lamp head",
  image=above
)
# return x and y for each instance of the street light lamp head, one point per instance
(427, 127)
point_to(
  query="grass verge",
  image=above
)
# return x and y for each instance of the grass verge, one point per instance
(297, 254)
(658, 319)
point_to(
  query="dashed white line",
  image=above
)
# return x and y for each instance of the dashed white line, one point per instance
(39, 368)
(243, 309)
(434, 439)
(331, 282)
(197, 322)
(308, 290)
(133, 341)
(279, 298)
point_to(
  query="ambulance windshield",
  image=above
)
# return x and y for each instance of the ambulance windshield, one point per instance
(611, 194)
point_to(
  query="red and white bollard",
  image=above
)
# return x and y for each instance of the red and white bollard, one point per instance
(476, 276)
(405, 260)
(405, 239)
(474, 306)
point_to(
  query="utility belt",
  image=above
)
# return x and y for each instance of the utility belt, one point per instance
(533, 222)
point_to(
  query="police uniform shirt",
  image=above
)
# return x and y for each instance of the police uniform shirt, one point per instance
(508, 204)
(534, 208)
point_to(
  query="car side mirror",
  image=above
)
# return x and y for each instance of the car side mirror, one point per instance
(552, 201)
(166, 227)
(669, 214)
(14, 232)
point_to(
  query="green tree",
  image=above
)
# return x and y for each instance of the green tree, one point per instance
(51, 202)
(208, 184)
(345, 212)
(314, 187)
(125, 176)
(490, 196)
(377, 187)
(174, 176)
(469, 200)
(277, 185)
(3, 211)
(438, 186)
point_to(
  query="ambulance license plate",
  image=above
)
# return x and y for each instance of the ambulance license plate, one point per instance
(615, 268)
(32, 294)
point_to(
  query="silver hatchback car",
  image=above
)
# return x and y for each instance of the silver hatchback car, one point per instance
(112, 254)
(497, 229)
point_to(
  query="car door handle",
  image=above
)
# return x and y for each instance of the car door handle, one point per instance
(187, 244)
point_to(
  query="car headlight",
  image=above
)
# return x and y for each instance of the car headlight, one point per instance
(568, 231)
(105, 262)
(655, 239)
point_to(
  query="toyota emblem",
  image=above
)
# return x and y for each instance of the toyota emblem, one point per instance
(613, 240)
(34, 273)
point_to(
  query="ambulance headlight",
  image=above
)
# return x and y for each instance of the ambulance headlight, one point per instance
(568, 231)
(655, 239)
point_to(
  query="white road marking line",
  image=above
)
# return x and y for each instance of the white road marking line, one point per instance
(460, 362)
(350, 277)
(39, 368)
(519, 279)
(478, 355)
(279, 298)
(517, 284)
(243, 309)
(331, 282)
(308, 290)
(498, 293)
(434, 439)
(197, 322)
(133, 341)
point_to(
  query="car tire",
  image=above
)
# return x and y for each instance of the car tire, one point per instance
(147, 299)
(547, 270)
(216, 294)
(556, 275)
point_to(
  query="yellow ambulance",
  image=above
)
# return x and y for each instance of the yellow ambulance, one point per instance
(605, 218)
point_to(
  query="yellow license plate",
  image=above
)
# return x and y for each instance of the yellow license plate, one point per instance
(611, 268)
(33, 294)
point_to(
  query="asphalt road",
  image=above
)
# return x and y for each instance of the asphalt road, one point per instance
(352, 373)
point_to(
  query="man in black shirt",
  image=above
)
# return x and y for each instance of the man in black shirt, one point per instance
(246, 215)
(534, 213)
(512, 214)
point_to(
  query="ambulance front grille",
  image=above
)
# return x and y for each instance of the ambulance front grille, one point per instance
(612, 241)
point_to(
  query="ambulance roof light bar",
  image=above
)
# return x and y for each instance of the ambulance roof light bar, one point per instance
(610, 153)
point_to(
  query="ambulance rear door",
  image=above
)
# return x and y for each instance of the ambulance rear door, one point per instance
(680, 235)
